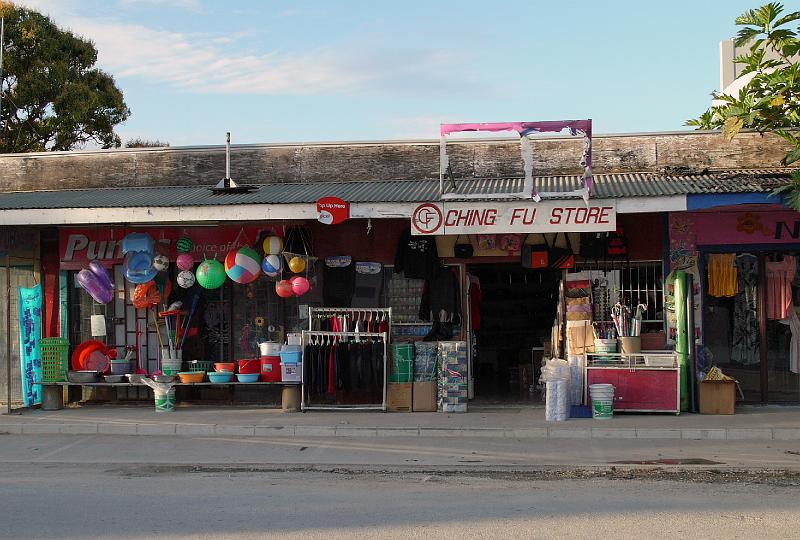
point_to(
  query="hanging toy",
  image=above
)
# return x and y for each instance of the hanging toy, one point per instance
(300, 285)
(160, 262)
(273, 245)
(185, 279)
(210, 274)
(283, 288)
(184, 262)
(139, 250)
(185, 244)
(146, 295)
(297, 264)
(96, 281)
(243, 265)
(272, 265)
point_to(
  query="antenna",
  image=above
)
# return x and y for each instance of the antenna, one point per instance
(227, 184)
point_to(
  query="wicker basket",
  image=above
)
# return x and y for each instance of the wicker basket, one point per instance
(55, 359)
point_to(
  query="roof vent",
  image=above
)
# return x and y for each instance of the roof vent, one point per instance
(227, 185)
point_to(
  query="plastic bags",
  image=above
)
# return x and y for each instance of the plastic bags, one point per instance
(556, 375)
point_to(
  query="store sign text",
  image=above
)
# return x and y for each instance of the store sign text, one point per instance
(488, 218)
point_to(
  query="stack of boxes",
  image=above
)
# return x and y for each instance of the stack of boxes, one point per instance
(453, 376)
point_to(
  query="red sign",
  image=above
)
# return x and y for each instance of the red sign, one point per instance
(332, 210)
(78, 246)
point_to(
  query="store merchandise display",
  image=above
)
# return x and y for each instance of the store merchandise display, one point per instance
(453, 384)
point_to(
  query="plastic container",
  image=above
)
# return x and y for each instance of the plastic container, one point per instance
(171, 366)
(198, 365)
(269, 348)
(225, 366)
(191, 376)
(55, 359)
(291, 371)
(602, 396)
(220, 376)
(271, 368)
(294, 338)
(250, 366)
(605, 346)
(291, 357)
(164, 400)
(556, 375)
(630, 345)
(247, 377)
(120, 367)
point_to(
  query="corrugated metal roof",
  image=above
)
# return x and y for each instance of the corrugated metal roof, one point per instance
(606, 186)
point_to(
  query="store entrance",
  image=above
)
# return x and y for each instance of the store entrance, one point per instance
(512, 321)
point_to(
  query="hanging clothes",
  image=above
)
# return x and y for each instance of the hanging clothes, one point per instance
(368, 284)
(475, 299)
(339, 281)
(745, 344)
(417, 256)
(780, 275)
(793, 321)
(723, 280)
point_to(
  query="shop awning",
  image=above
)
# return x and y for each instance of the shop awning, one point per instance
(642, 191)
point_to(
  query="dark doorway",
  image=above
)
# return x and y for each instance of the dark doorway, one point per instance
(517, 310)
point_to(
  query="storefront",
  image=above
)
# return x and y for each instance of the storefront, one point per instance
(744, 259)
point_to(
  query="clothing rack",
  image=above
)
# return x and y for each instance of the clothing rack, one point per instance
(307, 339)
(316, 312)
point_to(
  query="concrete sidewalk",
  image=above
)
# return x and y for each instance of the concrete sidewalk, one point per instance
(750, 423)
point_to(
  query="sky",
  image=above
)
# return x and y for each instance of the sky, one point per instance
(280, 71)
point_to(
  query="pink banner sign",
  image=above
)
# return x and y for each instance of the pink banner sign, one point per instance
(757, 227)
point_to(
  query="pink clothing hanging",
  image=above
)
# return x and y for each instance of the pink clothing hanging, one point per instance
(779, 287)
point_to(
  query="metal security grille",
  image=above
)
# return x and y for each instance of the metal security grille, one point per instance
(630, 283)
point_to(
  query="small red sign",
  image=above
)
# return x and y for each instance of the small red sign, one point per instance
(332, 210)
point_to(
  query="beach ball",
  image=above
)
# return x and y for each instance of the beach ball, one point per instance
(185, 244)
(185, 261)
(160, 262)
(297, 264)
(300, 285)
(272, 265)
(284, 289)
(243, 265)
(273, 245)
(185, 279)
(210, 274)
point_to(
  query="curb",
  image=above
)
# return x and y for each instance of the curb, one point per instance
(549, 432)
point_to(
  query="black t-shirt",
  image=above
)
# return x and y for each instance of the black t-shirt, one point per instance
(417, 257)
(339, 281)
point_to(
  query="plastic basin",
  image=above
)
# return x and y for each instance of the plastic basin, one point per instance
(225, 366)
(220, 376)
(247, 377)
(191, 376)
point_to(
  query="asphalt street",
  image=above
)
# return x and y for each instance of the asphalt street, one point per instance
(142, 501)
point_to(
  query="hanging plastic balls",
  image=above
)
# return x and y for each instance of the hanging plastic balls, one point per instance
(273, 245)
(210, 274)
(243, 265)
(283, 288)
(185, 244)
(300, 285)
(160, 262)
(297, 264)
(185, 279)
(185, 261)
(272, 265)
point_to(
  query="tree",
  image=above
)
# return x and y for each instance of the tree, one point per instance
(53, 98)
(770, 101)
(145, 143)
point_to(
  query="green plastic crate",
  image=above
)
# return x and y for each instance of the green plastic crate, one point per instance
(402, 363)
(199, 365)
(55, 359)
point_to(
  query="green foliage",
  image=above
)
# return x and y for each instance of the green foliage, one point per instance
(53, 98)
(145, 143)
(770, 101)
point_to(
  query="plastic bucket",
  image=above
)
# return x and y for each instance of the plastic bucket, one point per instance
(120, 367)
(605, 346)
(269, 348)
(165, 401)
(630, 345)
(291, 357)
(171, 366)
(602, 396)
(271, 368)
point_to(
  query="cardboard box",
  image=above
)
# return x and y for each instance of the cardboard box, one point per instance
(399, 397)
(424, 397)
(717, 397)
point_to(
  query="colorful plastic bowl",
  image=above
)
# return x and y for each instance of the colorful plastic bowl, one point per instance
(191, 376)
(220, 376)
(225, 366)
(247, 377)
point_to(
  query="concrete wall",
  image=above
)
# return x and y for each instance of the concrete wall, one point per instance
(381, 161)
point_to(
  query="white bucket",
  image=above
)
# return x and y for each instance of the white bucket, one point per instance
(602, 396)
(165, 401)
(269, 348)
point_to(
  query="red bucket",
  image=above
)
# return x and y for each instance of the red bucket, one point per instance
(249, 366)
(271, 368)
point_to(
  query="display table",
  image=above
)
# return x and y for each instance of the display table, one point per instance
(53, 396)
(645, 382)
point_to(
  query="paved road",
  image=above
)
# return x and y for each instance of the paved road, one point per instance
(398, 451)
(135, 501)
